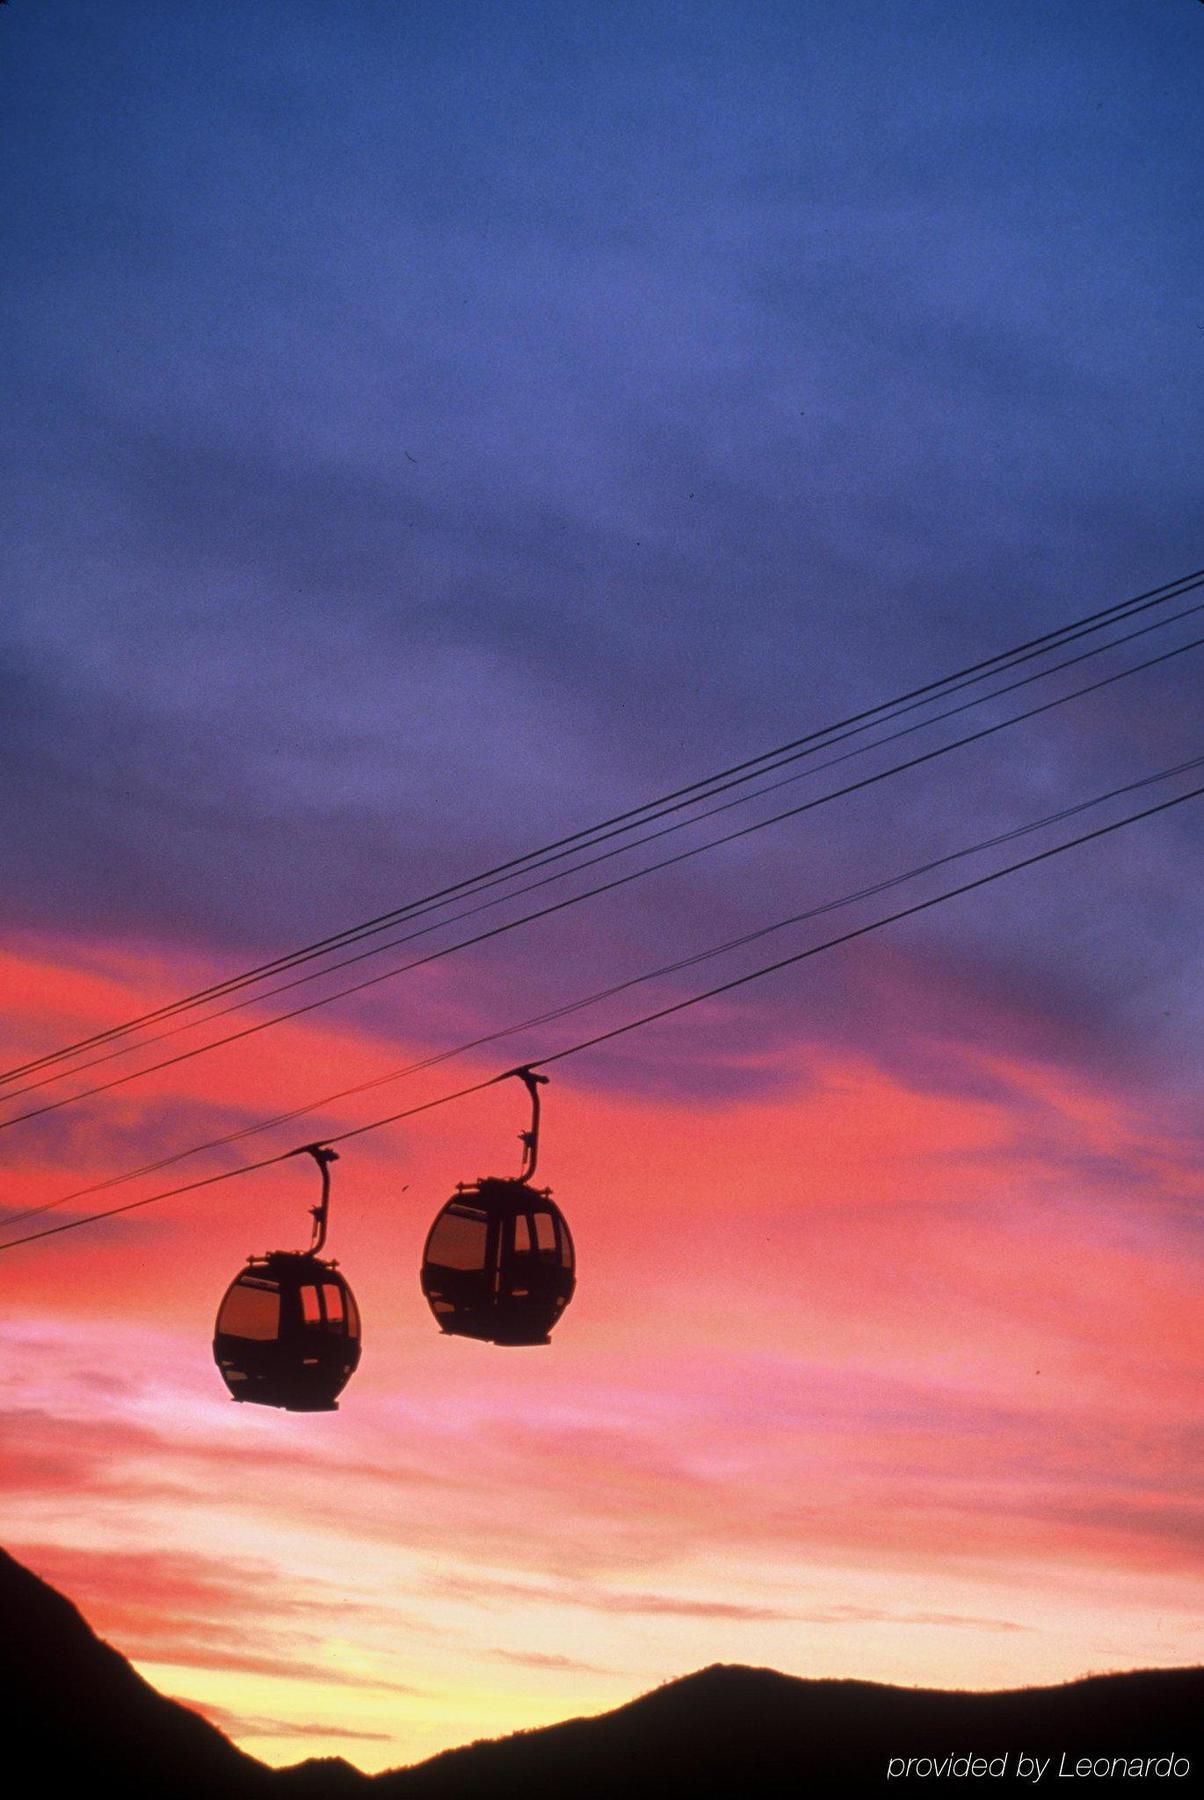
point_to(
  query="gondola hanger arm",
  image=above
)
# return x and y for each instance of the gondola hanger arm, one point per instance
(323, 1155)
(528, 1139)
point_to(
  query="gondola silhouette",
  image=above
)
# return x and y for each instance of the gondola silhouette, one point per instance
(288, 1328)
(499, 1262)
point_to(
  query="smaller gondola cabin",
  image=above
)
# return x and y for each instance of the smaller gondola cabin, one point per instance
(288, 1332)
(499, 1263)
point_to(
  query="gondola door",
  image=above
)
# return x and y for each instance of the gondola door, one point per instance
(534, 1259)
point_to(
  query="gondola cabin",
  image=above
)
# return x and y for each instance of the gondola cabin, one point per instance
(288, 1333)
(499, 1263)
(288, 1328)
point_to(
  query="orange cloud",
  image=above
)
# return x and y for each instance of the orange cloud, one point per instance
(869, 1375)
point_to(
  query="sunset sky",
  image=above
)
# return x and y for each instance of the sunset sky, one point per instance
(431, 429)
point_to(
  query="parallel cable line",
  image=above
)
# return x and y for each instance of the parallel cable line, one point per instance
(1032, 647)
(608, 1036)
(607, 993)
(564, 874)
(848, 937)
(591, 893)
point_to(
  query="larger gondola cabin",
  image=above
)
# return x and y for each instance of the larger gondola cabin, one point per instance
(499, 1263)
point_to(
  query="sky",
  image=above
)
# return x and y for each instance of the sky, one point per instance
(428, 430)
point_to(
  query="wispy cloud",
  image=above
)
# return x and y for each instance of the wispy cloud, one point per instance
(241, 1725)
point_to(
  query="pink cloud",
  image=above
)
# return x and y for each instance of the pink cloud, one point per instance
(871, 1323)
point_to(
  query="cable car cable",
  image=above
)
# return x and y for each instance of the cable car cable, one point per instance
(591, 893)
(1030, 648)
(617, 1031)
(573, 1006)
(65, 1074)
(507, 871)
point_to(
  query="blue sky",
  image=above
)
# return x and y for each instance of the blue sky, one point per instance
(431, 427)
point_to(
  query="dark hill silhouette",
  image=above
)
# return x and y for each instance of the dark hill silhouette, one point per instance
(729, 1731)
(74, 1707)
(323, 1777)
(75, 1710)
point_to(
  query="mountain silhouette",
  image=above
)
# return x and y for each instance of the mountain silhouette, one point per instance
(731, 1731)
(74, 1707)
(79, 1715)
